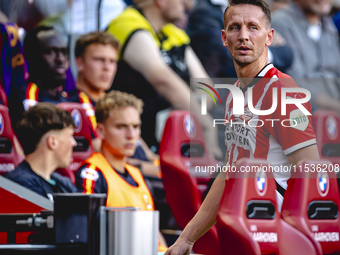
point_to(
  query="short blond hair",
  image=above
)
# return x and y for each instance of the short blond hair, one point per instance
(101, 37)
(115, 100)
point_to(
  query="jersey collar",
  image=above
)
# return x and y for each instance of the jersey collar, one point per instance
(264, 70)
(260, 74)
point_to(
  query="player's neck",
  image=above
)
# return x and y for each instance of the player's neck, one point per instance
(116, 160)
(153, 15)
(42, 85)
(246, 73)
(90, 91)
(41, 164)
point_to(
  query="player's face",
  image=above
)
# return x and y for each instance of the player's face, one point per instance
(64, 148)
(172, 10)
(98, 66)
(54, 55)
(121, 131)
(316, 7)
(247, 33)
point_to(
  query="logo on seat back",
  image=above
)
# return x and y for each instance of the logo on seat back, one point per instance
(332, 127)
(189, 126)
(77, 120)
(261, 183)
(322, 183)
(2, 124)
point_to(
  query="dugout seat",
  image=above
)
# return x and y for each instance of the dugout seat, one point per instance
(9, 157)
(326, 127)
(82, 135)
(3, 96)
(248, 221)
(311, 205)
(182, 148)
(18, 200)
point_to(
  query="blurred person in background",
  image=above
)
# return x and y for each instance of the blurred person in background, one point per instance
(67, 16)
(96, 58)
(46, 54)
(188, 6)
(119, 123)
(72, 18)
(205, 36)
(310, 33)
(278, 4)
(3, 17)
(47, 58)
(336, 12)
(46, 135)
(156, 63)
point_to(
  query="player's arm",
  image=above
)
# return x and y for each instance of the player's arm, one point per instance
(142, 55)
(204, 219)
(89, 179)
(310, 152)
(149, 154)
(196, 70)
(147, 168)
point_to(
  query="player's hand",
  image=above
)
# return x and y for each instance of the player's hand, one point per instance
(180, 248)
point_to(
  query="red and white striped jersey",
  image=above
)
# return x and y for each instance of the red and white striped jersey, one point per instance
(266, 136)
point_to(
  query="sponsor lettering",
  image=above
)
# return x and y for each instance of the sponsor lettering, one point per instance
(265, 237)
(74, 166)
(6, 167)
(326, 236)
(237, 133)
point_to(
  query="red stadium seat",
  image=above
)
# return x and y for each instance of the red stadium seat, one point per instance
(248, 221)
(16, 199)
(3, 96)
(182, 148)
(82, 135)
(9, 157)
(311, 205)
(326, 127)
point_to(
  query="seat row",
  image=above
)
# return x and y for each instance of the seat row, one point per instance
(249, 221)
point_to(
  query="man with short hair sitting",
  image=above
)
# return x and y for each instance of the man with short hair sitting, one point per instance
(46, 135)
(119, 127)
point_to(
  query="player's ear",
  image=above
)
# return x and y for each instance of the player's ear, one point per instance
(224, 38)
(100, 131)
(51, 141)
(270, 37)
(80, 63)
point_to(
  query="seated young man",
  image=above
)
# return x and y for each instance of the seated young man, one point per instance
(47, 59)
(46, 135)
(96, 58)
(118, 125)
